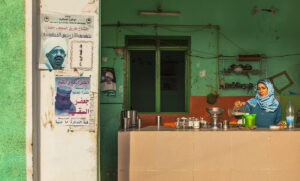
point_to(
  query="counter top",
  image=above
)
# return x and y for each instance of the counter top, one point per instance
(168, 128)
(205, 154)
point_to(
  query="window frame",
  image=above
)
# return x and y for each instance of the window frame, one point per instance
(157, 48)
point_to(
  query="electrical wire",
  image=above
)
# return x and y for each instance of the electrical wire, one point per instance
(169, 29)
(200, 51)
(165, 42)
(282, 56)
(233, 43)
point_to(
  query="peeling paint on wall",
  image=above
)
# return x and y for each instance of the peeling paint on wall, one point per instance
(104, 59)
(121, 89)
(202, 73)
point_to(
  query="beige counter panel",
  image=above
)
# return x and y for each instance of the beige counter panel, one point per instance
(192, 155)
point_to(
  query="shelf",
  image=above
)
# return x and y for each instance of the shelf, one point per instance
(240, 69)
(236, 85)
(228, 71)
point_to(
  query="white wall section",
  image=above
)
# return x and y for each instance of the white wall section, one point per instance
(69, 152)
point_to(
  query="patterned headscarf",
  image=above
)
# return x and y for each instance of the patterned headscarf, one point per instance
(268, 103)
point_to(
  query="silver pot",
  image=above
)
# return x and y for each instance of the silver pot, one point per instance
(132, 118)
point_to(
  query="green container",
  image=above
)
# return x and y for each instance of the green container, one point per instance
(248, 120)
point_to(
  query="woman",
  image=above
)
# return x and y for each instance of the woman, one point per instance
(264, 105)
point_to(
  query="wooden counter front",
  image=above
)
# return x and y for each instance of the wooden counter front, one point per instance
(167, 154)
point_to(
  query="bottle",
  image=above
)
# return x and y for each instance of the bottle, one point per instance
(290, 119)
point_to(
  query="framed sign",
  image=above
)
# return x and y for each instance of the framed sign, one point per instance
(281, 81)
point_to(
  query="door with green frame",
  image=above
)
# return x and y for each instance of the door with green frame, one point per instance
(158, 74)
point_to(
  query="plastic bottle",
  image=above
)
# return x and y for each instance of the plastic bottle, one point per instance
(290, 118)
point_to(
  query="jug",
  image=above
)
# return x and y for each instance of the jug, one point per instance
(248, 120)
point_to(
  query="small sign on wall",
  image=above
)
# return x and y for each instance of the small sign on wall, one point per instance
(82, 54)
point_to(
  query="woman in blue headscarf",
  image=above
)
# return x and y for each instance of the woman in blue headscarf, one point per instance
(264, 105)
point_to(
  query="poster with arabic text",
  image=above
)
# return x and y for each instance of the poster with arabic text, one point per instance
(67, 41)
(72, 101)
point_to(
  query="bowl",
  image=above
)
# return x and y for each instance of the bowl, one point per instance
(215, 110)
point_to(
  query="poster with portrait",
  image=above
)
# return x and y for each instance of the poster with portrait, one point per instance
(66, 41)
(108, 81)
(72, 100)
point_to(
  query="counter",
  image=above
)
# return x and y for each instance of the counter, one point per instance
(191, 155)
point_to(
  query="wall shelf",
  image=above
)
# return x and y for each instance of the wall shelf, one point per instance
(238, 69)
(228, 71)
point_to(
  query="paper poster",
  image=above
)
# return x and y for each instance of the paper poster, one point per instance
(108, 81)
(81, 54)
(66, 38)
(72, 100)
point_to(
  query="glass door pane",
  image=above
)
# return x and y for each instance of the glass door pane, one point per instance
(172, 81)
(142, 80)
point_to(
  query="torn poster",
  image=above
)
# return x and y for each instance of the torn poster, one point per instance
(59, 34)
(72, 100)
(108, 81)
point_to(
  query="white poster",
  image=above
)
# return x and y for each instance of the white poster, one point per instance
(81, 54)
(64, 39)
(72, 100)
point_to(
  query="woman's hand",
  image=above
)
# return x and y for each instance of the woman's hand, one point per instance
(239, 104)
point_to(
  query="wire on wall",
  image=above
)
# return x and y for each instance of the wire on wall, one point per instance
(197, 28)
(233, 43)
(168, 43)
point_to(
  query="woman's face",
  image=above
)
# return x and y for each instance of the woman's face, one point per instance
(262, 90)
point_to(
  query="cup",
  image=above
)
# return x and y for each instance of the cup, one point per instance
(248, 120)
(139, 123)
(225, 124)
(158, 121)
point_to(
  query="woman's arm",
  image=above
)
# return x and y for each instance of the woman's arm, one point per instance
(249, 108)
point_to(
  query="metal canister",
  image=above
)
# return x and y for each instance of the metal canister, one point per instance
(133, 117)
(127, 114)
(125, 124)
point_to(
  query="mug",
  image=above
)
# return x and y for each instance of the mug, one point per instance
(248, 120)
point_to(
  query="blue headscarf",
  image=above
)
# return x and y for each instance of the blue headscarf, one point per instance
(268, 103)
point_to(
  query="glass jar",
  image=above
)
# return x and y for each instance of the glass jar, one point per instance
(196, 123)
(190, 122)
(183, 122)
(177, 123)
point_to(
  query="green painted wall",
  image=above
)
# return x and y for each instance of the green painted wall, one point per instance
(242, 31)
(12, 91)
